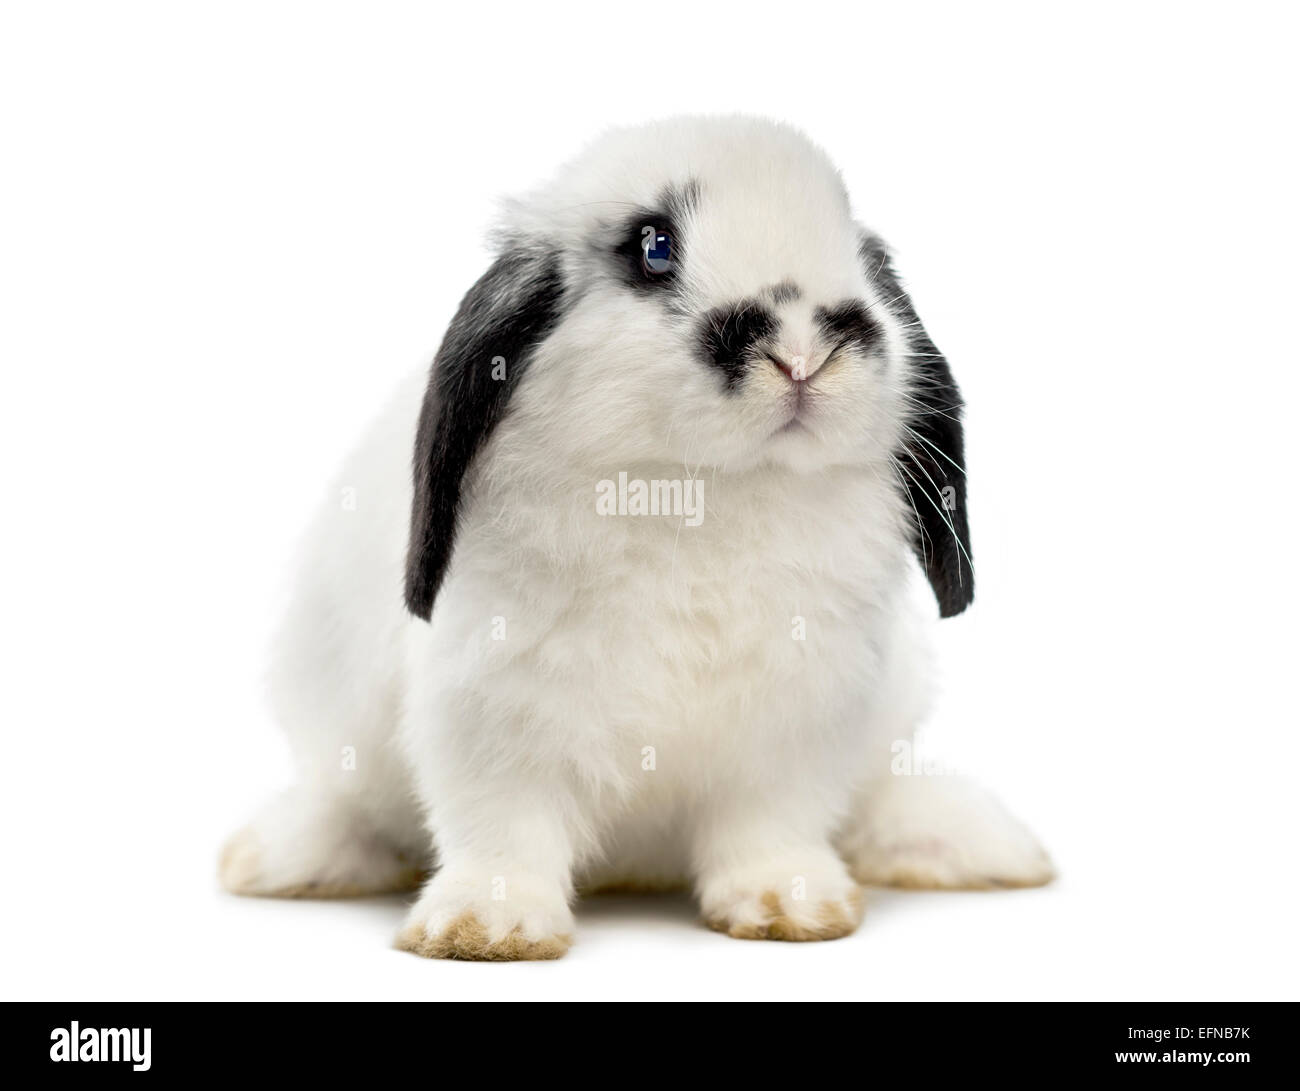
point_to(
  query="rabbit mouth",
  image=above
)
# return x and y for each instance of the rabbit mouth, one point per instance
(797, 421)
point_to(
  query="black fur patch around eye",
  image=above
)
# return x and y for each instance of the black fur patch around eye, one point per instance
(729, 335)
(849, 321)
(675, 205)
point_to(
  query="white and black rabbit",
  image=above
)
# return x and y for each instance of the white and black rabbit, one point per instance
(678, 455)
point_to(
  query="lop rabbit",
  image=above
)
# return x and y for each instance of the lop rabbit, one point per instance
(655, 512)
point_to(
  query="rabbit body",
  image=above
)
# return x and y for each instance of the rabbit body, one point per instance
(604, 695)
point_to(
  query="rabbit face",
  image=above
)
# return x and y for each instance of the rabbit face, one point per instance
(719, 313)
(693, 294)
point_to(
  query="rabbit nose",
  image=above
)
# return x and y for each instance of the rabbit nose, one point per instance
(797, 367)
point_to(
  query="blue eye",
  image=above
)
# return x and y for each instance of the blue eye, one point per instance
(656, 251)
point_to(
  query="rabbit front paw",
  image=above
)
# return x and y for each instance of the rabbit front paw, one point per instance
(486, 917)
(796, 900)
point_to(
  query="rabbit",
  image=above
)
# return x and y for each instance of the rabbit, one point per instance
(625, 593)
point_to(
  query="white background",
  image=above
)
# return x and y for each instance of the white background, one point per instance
(229, 228)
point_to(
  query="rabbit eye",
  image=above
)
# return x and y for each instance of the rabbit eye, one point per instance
(648, 251)
(656, 251)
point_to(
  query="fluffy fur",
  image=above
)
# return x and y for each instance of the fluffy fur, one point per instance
(602, 700)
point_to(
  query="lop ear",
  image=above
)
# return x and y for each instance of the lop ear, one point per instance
(483, 355)
(932, 460)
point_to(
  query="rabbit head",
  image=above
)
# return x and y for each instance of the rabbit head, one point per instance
(696, 292)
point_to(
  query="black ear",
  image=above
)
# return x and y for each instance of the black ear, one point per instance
(931, 462)
(483, 355)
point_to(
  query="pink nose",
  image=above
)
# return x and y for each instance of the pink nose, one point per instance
(795, 368)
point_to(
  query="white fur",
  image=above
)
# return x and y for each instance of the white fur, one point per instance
(523, 759)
